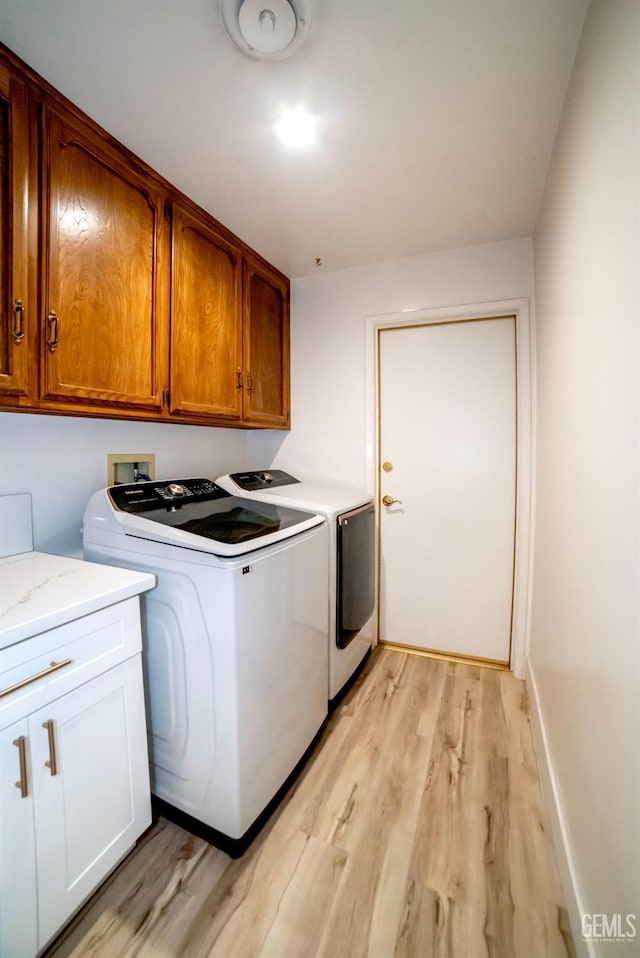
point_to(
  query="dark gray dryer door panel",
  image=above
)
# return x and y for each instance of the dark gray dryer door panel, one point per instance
(356, 571)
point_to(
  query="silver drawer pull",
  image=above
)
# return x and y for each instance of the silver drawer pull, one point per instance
(23, 782)
(54, 667)
(53, 758)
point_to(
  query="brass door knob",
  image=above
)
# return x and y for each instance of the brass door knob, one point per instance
(389, 500)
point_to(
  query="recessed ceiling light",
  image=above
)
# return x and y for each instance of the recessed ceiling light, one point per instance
(296, 128)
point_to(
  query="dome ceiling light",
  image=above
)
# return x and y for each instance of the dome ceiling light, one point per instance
(267, 29)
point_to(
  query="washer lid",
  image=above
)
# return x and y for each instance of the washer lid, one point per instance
(230, 521)
(196, 514)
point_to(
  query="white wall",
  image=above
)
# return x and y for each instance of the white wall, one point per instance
(61, 461)
(328, 347)
(585, 637)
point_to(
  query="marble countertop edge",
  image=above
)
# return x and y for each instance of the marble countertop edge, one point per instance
(39, 592)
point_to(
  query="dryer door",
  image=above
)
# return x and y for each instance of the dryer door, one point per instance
(355, 569)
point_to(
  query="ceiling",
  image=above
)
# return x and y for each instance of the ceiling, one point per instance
(435, 118)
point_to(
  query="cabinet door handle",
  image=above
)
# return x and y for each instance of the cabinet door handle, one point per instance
(53, 759)
(249, 382)
(239, 380)
(23, 781)
(53, 340)
(18, 322)
(53, 667)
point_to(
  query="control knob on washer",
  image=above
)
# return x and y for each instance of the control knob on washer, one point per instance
(175, 489)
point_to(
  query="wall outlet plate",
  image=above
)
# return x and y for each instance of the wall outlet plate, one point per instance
(130, 467)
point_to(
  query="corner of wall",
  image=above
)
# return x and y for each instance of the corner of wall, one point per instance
(559, 827)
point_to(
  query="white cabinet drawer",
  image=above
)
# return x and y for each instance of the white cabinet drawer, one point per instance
(39, 670)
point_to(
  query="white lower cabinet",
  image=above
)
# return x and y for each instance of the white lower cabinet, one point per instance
(91, 811)
(18, 894)
(74, 797)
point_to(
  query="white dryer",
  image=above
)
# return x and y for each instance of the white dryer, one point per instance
(235, 643)
(350, 514)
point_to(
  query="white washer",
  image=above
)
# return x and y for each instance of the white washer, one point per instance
(235, 643)
(350, 513)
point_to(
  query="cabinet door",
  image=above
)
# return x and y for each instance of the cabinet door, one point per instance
(104, 235)
(16, 305)
(91, 781)
(266, 344)
(18, 903)
(206, 321)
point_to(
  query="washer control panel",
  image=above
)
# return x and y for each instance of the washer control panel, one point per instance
(141, 496)
(256, 481)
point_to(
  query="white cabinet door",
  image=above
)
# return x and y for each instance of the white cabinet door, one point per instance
(18, 902)
(92, 810)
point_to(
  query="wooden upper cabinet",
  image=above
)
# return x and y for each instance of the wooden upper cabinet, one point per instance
(17, 239)
(229, 329)
(206, 320)
(104, 232)
(109, 305)
(266, 346)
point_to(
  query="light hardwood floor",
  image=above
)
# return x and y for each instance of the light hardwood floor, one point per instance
(416, 829)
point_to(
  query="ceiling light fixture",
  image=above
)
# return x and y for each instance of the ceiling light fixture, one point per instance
(267, 29)
(296, 128)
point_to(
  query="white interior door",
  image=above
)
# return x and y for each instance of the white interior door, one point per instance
(447, 444)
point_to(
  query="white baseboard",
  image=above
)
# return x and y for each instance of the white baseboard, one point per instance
(552, 797)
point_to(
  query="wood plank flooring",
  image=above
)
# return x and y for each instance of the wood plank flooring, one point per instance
(416, 830)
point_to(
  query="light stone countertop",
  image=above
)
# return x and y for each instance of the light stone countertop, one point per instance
(40, 592)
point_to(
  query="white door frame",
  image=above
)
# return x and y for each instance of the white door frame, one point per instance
(524, 489)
